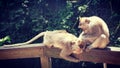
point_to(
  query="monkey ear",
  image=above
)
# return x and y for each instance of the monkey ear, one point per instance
(79, 18)
(87, 21)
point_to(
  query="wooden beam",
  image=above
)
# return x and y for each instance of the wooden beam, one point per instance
(96, 55)
(39, 50)
(45, 60)
(27, 51)
(101, 56)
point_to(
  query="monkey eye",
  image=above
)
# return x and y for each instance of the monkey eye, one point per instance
(79, 41)
(72, 43)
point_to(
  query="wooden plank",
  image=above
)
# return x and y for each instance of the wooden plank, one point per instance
(100, 56)
(45, 61)
(36, 50)
(95, 55)
(21, 46)
(27, 51)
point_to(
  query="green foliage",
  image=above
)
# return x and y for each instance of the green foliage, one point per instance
(5, 39)
(24, 19)
(62, 18)
(83, 8)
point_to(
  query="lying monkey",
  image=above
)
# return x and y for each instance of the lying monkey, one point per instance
(95, 32)
(67, 42)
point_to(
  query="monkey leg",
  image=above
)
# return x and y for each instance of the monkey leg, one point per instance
(100, 42)
(65, 54)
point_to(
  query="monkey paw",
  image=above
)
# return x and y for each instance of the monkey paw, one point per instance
(76, 61)
(88, 48)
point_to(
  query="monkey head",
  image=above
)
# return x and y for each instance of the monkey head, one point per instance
(84, 23)
(76, 47)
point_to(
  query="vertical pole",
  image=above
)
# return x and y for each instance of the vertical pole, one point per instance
(104, 65)
(45, 61)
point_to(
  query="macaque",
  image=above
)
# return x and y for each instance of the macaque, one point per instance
(68, 43)
(95, 32)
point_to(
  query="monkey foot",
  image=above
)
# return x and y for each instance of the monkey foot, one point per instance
(88, 48)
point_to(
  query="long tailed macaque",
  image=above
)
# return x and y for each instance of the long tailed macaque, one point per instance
(95, 32)
(68, 43)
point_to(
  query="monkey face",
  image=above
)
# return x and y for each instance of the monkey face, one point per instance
(76, 49)
(83, 26)
(84, 23)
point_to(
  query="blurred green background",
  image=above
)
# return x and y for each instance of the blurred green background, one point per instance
(20, 20)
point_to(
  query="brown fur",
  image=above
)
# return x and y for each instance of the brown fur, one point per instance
(60, 39)
(95, 32)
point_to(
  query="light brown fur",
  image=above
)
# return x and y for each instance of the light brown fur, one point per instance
(60, 39)
(95, 32)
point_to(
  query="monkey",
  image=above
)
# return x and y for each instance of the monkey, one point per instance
(67, 42)
(95, 32)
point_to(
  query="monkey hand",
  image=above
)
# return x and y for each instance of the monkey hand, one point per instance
(76, 60)
(89, 48)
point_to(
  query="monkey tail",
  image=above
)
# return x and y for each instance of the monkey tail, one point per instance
(28, 42)
(35, 38)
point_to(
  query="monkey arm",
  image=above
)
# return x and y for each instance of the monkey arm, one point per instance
(80, 36)
(66, 53)
(105, 29)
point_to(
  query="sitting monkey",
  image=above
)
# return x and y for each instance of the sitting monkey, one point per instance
(60, 39)
(95, 32)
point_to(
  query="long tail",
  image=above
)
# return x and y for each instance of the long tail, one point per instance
(28, 42)
(35, 38)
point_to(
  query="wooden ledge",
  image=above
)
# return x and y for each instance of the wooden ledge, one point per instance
(38, 50)
(25, 51)
(110, 56)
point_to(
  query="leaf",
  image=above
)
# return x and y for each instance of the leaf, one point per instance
(5, 39)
